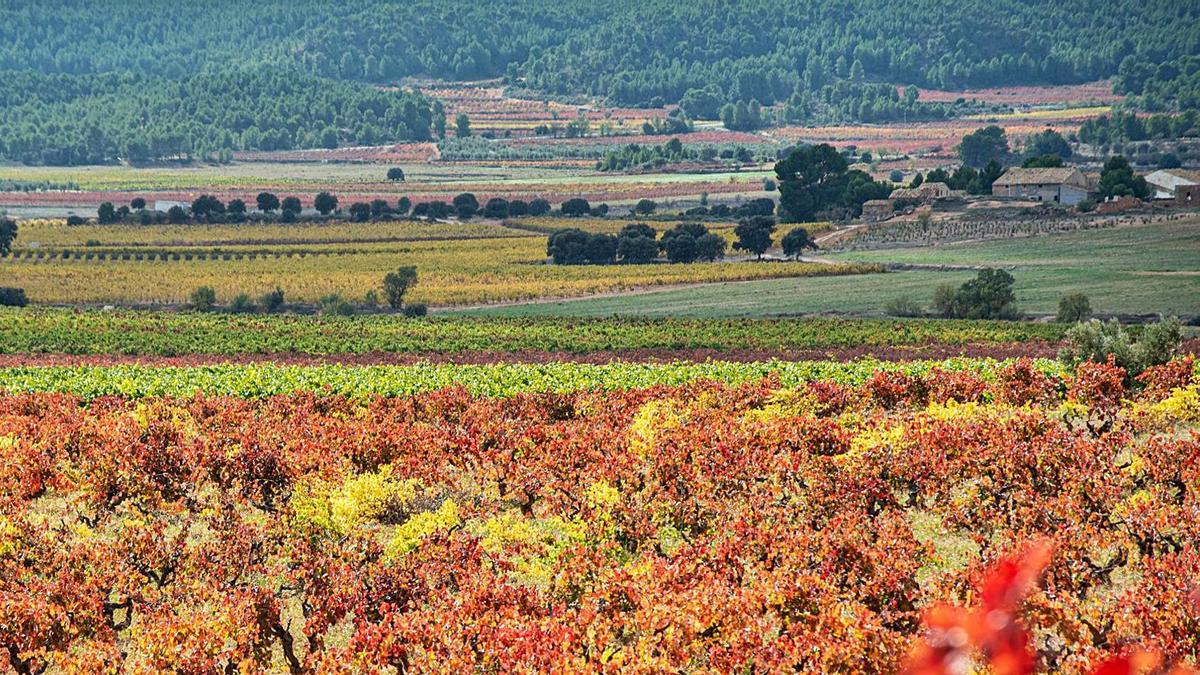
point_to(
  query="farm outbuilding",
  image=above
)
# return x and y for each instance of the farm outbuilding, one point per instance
(924, 193)
(876, 210)
(1181, 186)
(1062, 185)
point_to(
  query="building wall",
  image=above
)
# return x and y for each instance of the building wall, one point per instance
(1062, 194)
(875, 212)
(1187, 195)
(1071, 195)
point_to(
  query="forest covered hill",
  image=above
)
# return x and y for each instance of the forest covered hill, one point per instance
(90, 81)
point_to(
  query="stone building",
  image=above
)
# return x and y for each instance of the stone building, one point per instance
(1061, 185)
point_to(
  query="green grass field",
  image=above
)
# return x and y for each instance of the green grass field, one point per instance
(1128, 270)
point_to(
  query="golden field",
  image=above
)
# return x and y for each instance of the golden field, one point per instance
(466, 270)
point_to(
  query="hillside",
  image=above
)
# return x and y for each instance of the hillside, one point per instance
(85, 78)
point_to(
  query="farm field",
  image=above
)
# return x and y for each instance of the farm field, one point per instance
(1031, 96)
(451, 271)
(592, 517)
(57, 331)
(1112, 266)
(52, 234)
(937, 138)
(356, 182)
(658, 428)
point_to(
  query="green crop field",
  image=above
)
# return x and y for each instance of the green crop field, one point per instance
(168, 334)
(1127, 270)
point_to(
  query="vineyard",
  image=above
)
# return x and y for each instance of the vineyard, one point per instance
(1030, 96)
(55, 331)
(915, 232)
(452, 271)
(937, 138)
(715, 517)
(493, 112)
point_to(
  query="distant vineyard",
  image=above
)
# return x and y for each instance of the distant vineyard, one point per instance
(452, 272)
(923, 233)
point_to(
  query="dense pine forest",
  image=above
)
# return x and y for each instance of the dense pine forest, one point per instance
(94, 81)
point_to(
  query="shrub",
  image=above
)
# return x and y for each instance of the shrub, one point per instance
(1099, 342)
(645, 206)
(272, 301)
(334, 305)
(242, 304)
(203, 299)
(943, 300)
(360, 212)
(1073, 308)
(988, 296)
(903, 306)
(1021, 383)
(12, 297)
(415, 310)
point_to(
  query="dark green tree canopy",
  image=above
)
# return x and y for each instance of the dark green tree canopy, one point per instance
(1047, 142)
(325, 203)
(396, 285)
(815, 181)
(754, 235)
(810, 180)
(8, 233)
(984, 145)
(795, 241)
(1118, 180)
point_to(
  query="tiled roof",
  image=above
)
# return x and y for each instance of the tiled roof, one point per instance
(1043, 176)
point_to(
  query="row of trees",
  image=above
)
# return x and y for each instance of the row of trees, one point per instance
(395, 287)
(636, 155)
(207, 208)
(638, 243)
(635, 244)
(1121, 127)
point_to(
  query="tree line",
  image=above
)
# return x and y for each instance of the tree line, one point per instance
(108, 79)
(686, 242)
(93, 119)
